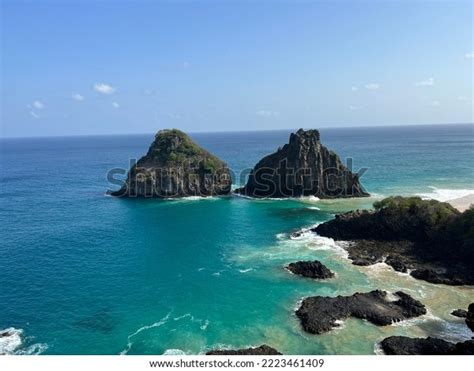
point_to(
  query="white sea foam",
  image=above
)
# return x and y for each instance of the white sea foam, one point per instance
(443, 194)
(304, 233)
(245, 270)
(281, 236)
(11, 342)
(32, 350)
(192, 198)
(181, 317)
(204, 325)
(378, 348)
(301, 198)
(159, 323)
(429, 316)
(308, 198)
(313, 208)
(340, 324)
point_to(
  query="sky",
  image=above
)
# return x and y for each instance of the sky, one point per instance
(118, 67)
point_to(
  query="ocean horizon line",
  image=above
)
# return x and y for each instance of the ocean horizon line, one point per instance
(238, 131)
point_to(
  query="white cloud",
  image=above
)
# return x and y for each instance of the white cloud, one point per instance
(372, 86)
(435, 103)
(354, 88)
(38, 105)
(427, 82)
(116, 105)
(34, 115)
(266, 113)
(104, 88)
(469, 55)
(355, 108)
(77, 97)
(462, 98)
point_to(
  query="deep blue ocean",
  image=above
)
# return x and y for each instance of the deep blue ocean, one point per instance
(85, 273)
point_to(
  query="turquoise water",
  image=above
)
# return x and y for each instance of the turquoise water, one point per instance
(84, 273)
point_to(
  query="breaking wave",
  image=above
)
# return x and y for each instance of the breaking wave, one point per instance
(12, 341)
(444, 194)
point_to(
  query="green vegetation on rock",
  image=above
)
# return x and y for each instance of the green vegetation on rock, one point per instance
(173, 147)
(176, 166)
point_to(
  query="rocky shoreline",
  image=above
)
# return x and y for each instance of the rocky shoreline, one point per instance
(402, 345)
(319, 314)
(429, 239)
(262, 350)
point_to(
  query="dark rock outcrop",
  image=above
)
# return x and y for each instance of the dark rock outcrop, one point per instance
(303, 167)
(430, 238)
(319, 314)
(470, 317)
(437, 276)
(262, 350)
(402, 345)
(461, 313)
(311, 269)
(175, 166)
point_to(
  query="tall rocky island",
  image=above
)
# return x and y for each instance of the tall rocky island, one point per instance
(175, 166)
(303, 167)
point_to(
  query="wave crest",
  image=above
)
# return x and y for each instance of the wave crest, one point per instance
(12, 342)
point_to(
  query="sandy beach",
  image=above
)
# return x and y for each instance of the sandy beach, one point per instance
(462, 203)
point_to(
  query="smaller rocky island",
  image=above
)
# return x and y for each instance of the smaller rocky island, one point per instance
(319, 314)
(262, 350)
(175, 166)
(303, 167)
(430, 239)
(310, 269)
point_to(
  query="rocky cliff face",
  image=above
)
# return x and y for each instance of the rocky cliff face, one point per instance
(303, 167)
(175, 166)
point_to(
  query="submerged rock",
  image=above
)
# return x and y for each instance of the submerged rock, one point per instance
(319, 314)
(262, 350)
(430, 239)
(303, 167)
(461, 313)
(402, 345)
(311, 269)
(175, 166)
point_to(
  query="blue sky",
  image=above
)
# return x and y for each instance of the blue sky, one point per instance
(90, 67)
